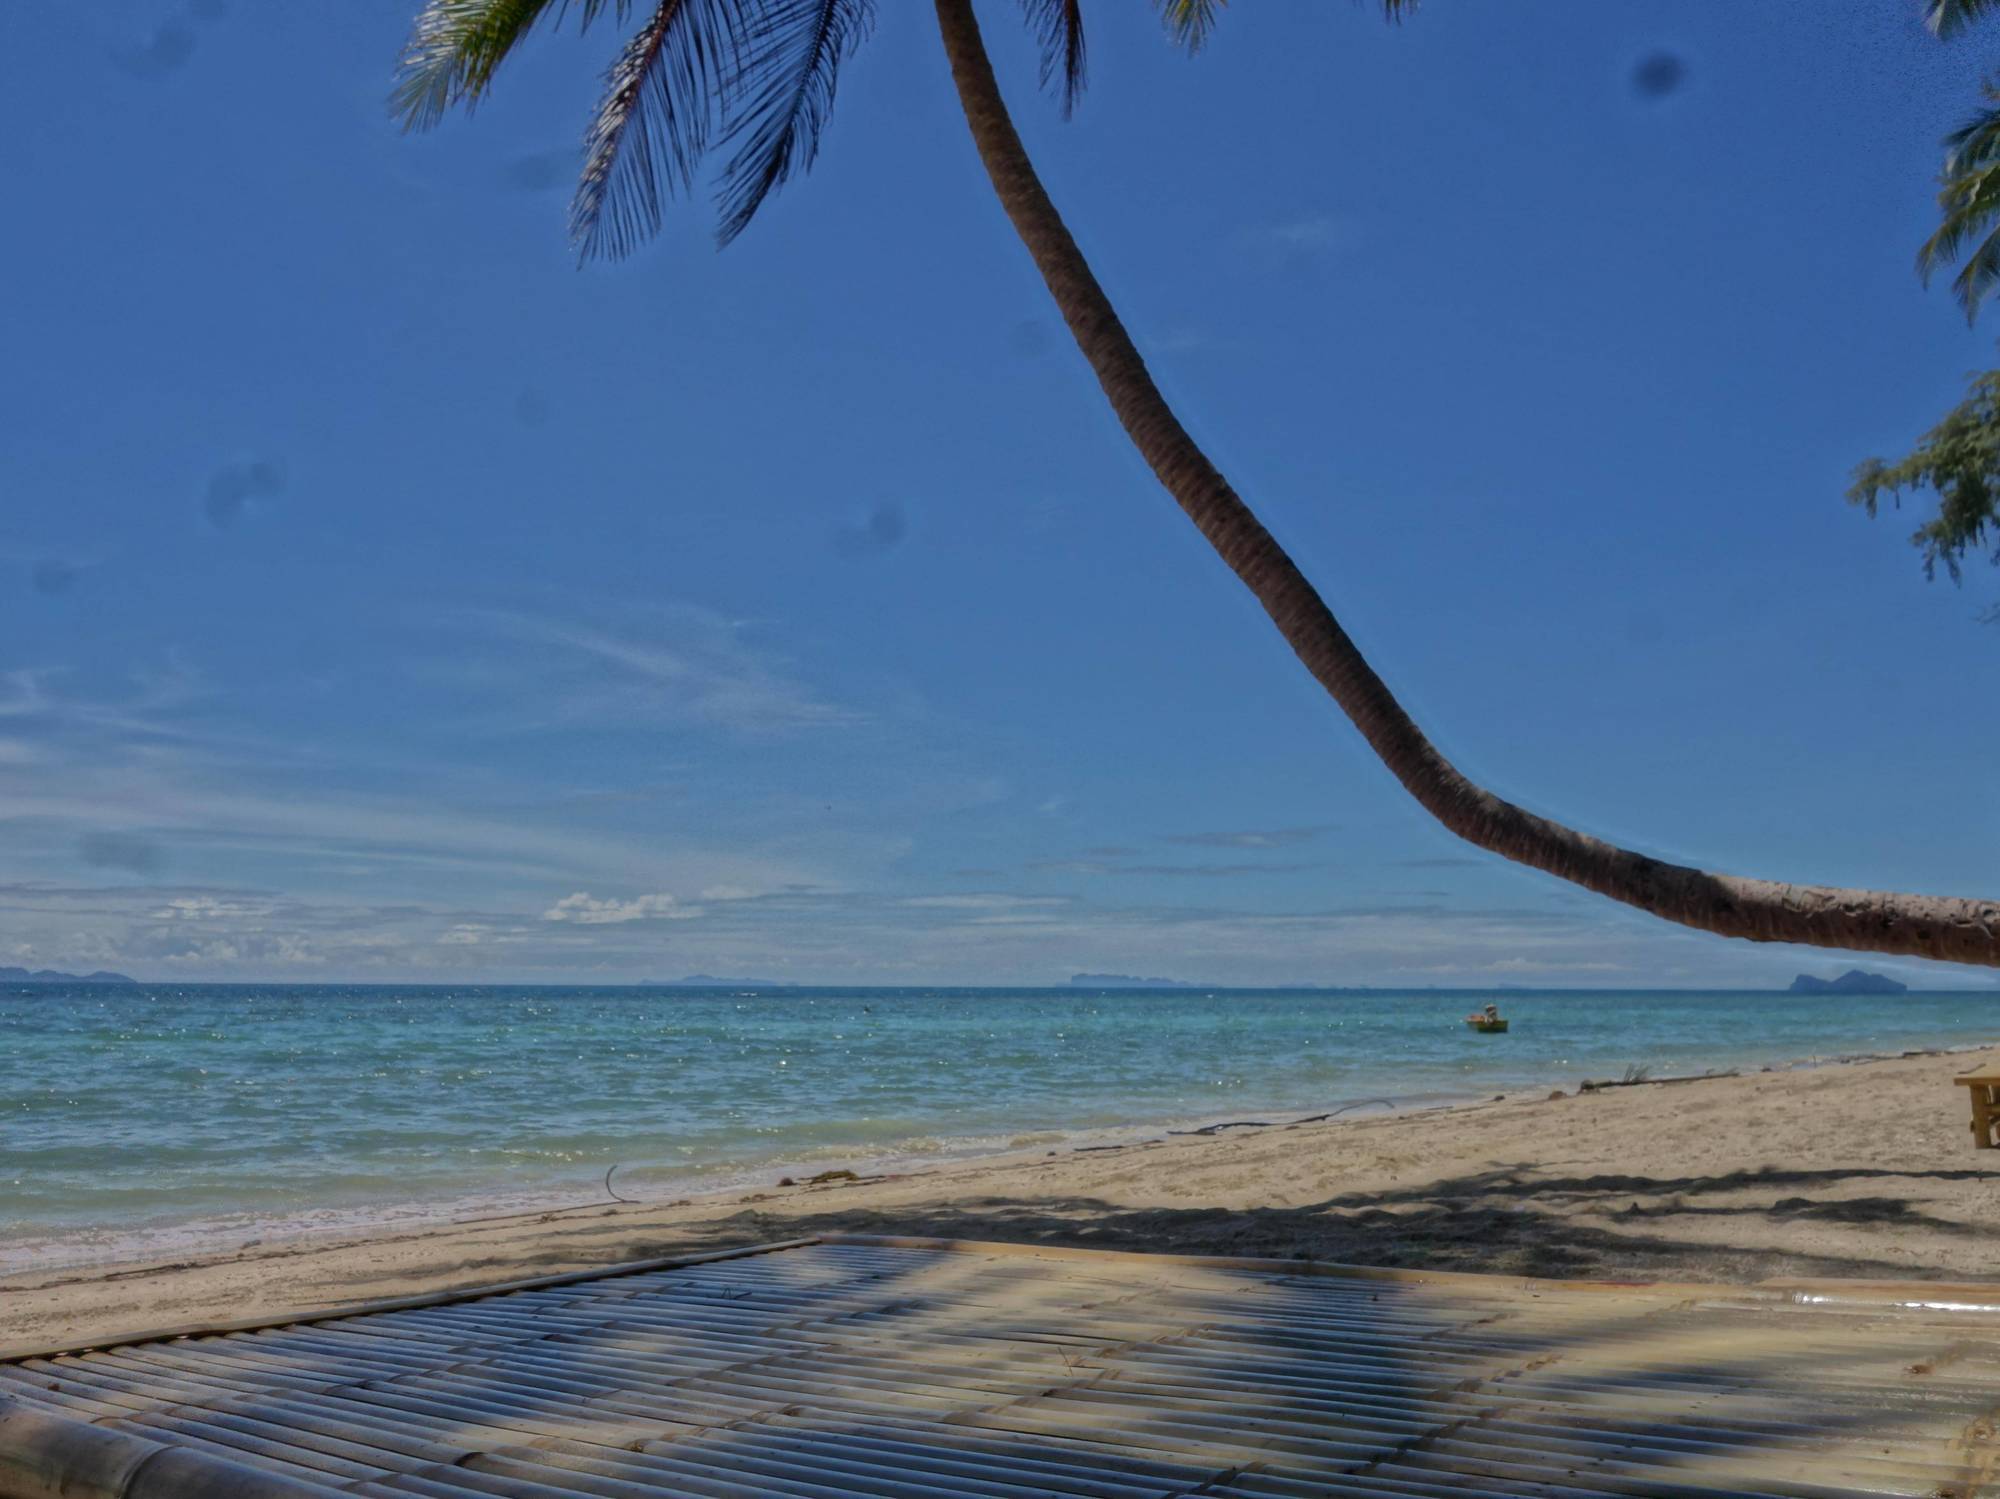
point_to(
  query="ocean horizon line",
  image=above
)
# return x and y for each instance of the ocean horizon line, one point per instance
(863, 986)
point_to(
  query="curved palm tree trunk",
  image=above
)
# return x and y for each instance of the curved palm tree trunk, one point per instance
(1963, 931)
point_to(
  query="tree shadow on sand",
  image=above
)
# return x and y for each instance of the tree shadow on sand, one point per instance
(1509, 1219)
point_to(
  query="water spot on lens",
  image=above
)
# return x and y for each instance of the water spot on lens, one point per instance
(883, 529)
(172, 45)
(887, 526)
(53, 576)
(1645, 627)
(126, 851)
(236, 487)
(538, 172)
(1028, 338)
(1658, 74)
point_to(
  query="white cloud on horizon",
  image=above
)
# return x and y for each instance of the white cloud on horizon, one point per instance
(869, 937)
(207, 908)
(587, 910)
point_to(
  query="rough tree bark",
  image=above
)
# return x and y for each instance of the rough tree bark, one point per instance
(1962, 931)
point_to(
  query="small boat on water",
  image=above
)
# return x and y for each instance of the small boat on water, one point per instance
(1488, 1022)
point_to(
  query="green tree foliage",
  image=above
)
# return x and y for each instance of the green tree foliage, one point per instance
(1959, 459)
(1969, 209)
(753, 79)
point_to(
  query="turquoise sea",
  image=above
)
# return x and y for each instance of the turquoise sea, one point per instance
(138, 1121)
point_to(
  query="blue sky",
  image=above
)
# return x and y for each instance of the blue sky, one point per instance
(384, 597)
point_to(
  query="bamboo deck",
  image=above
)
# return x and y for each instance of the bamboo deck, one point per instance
(908, 1369)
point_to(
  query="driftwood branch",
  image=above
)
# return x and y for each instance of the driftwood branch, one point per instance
(614, 1196)
(1587, 1086)
(1211, 1129)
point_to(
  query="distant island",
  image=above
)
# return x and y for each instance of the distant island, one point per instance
(1123, 981)
(711, 981)
(50, 976)
(1854, 981)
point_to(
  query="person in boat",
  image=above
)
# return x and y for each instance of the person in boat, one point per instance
(1488, 1016)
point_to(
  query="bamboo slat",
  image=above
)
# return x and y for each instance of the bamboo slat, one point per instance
(928, 1369)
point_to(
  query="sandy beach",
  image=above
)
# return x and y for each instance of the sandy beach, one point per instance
(1853, 1169)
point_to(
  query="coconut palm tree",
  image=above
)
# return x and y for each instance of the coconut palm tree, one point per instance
(753, 82)
(1969, 209)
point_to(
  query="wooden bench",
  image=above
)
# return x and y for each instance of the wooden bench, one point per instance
(1985, 1088)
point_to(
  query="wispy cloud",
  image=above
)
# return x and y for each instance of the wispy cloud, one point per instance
(1117, 859)
(1301, 234)
(137, 834)
(24, 691)
(132, 786)
(1195, 871)
(677, 662)
(1525, 966)
(982, 902)
(129, 777)
(149, 704)
(1251, 837)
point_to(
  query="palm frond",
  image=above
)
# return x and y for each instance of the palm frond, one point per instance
(653, 125)
(589, 10)
(456, 45)
(453, 49)
(779, 97)
(1977, 141)
(1969, 209)
(1968, 205)
(1189, 22)
(1979, 276)
(1058, 26)
(1949, 17)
